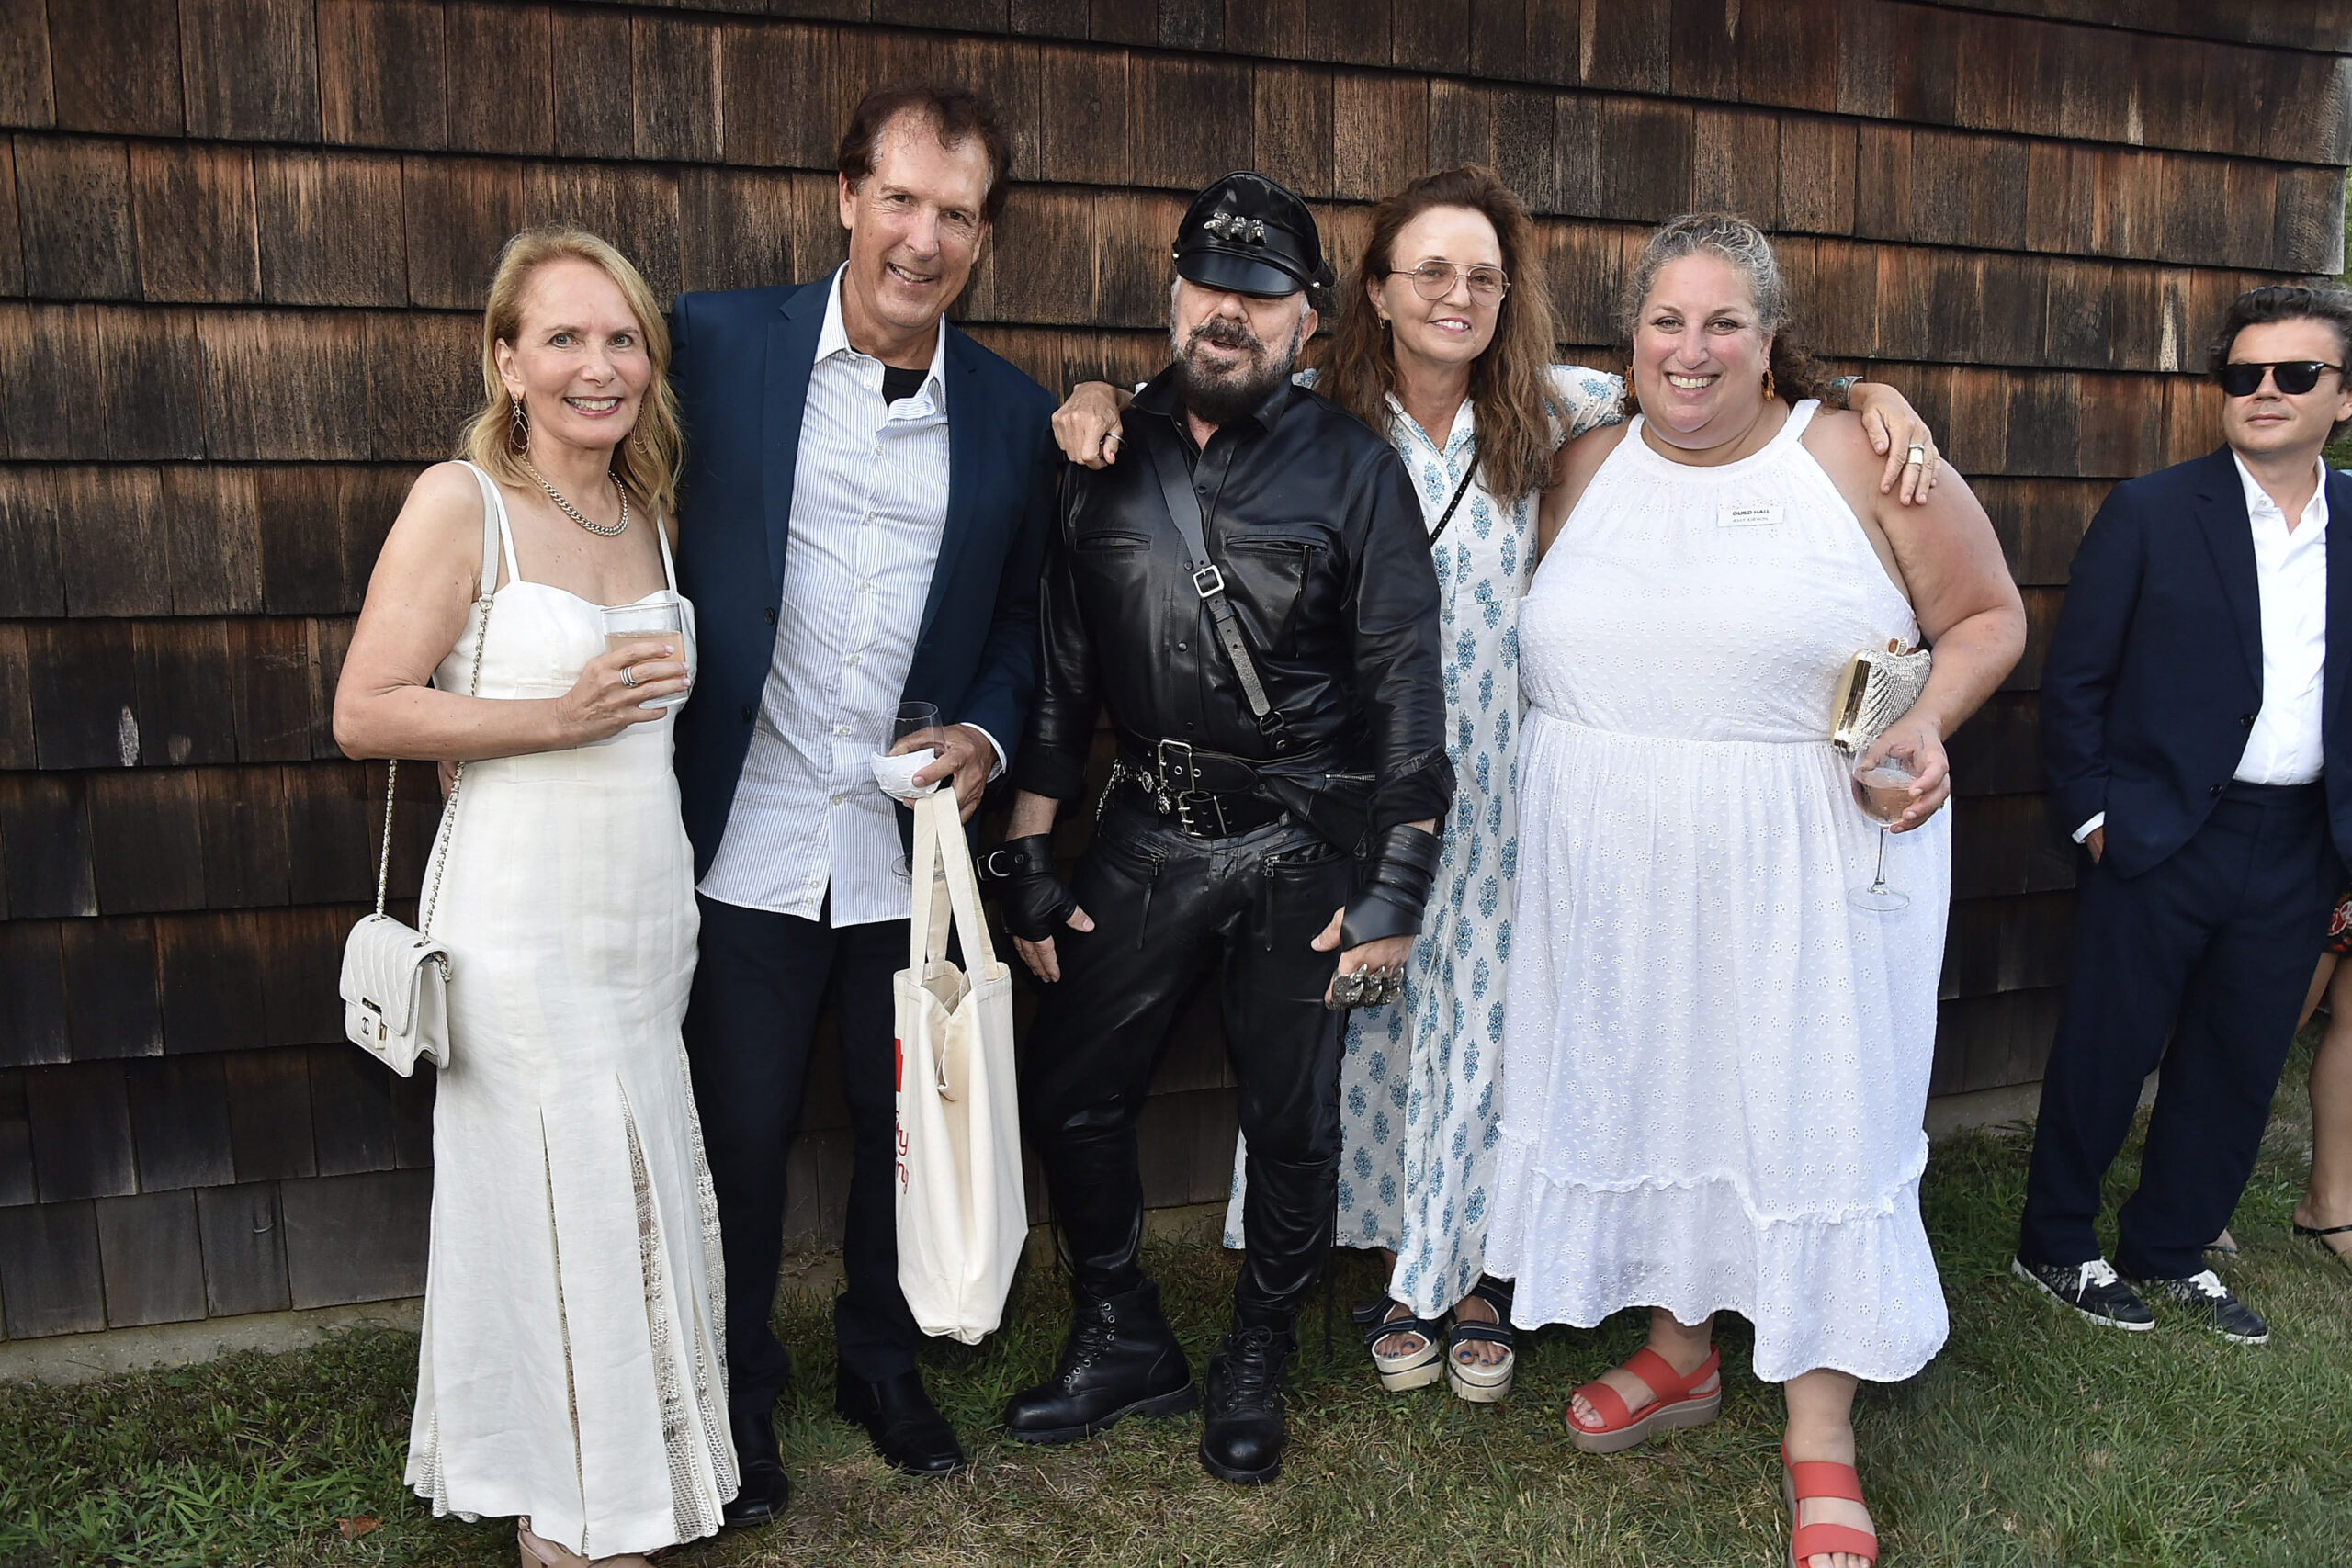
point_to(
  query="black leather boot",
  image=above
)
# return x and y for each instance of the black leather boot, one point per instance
(1241, 1435)
(1121, 1359)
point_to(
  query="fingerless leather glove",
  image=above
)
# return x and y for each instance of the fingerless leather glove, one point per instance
(1033, 899)
(1403, 868)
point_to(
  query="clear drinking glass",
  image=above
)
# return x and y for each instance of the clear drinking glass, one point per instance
(652, 620)
(1883, 790)
(917, 728)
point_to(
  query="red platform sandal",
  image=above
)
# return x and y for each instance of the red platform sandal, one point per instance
(1676, 1404)
(1822, 1478)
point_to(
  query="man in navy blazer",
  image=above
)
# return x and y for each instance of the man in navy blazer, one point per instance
(2197, 740)
(867, 500)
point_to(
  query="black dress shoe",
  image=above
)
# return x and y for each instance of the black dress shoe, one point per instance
(765, 1492)
(1241, 1432)
(1121, 1359)
(907, 1428)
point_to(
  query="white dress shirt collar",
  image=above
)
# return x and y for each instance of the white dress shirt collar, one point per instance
(2259, 504)
(833, 338)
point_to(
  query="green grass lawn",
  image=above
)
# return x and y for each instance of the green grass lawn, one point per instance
(2033, 1438)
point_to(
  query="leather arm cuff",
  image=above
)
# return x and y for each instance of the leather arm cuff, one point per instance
(1403, 868)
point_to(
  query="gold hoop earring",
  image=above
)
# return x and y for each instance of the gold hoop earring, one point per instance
(518, 428)
(1768, 383)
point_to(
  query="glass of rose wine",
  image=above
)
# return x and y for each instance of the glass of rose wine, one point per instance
(1882, 789)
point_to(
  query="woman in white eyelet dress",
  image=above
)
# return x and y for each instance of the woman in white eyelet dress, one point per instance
(1717, 1065)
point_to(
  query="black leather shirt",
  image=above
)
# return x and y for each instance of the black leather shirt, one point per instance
(1313, 520)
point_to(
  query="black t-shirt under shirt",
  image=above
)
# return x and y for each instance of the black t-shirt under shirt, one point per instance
(898, 383)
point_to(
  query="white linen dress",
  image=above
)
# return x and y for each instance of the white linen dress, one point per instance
(573, 1366)
(1417, 1081)
(1715, 1067)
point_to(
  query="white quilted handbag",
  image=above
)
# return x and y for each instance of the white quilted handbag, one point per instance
(395, 977)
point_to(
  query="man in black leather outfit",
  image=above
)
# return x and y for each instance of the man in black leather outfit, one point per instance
(1274, 679)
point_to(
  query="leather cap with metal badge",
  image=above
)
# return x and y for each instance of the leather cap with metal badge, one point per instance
(1251, 234)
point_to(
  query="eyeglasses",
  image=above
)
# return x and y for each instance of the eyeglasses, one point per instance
(1434, 280)
(2241, 378)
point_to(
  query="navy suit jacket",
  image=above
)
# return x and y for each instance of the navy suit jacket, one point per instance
(739, 364)
(2155, 674)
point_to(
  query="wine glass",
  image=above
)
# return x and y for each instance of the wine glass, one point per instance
(1882, 789)
(917, 728)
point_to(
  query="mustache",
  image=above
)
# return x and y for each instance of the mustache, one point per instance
(1224, 332)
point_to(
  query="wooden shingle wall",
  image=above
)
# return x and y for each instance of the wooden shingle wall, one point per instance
(241, 242)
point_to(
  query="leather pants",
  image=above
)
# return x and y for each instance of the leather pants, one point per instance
(1167, 909)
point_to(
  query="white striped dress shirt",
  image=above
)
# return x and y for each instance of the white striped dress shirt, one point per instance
(869, 502)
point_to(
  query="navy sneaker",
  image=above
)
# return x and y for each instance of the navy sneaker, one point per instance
(2094, 1290)
(2210, 1305)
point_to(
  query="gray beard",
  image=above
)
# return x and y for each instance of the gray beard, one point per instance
(1228, 397)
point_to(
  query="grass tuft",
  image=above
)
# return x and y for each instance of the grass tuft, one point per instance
(2033, 1440)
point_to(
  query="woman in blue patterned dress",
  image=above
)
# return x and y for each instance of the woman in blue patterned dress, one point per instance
(1443, 345)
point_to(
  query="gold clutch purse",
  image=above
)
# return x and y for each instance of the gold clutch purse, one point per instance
(1875, 690)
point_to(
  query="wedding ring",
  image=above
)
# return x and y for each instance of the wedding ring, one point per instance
(628, 675)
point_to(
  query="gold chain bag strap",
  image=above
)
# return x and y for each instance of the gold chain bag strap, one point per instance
(396, 978)
(1875, 690)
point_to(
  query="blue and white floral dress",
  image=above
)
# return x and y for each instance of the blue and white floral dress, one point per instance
(1417, 1082)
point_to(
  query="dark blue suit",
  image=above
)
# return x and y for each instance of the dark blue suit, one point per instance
(2203, 920)
(740, 367)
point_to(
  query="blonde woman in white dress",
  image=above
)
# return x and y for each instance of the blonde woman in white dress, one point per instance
(571, 1373)
(1715, 1063)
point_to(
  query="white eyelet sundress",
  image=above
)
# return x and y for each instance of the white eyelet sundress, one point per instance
(573, 1366)
(1715, 1067)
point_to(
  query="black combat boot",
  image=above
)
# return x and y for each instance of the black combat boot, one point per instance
(1121, 1359)
(1241, 1434)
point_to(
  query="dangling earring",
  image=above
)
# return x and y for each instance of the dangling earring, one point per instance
(1768, 383)
(518, 431)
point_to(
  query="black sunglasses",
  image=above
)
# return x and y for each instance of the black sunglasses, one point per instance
(2241, 378)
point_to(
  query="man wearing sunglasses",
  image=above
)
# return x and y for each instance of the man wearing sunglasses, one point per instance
(2197, 743)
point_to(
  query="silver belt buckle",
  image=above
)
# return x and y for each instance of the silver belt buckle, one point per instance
(1180, 787)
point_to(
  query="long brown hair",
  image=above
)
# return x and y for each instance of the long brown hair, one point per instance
(1511, 386)
(1796, 373)
(647, 460)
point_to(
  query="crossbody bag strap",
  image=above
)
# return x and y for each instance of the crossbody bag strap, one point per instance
(1459, 491)
(1208, 579)
(392, 768)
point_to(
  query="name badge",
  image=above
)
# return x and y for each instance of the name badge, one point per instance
(1755, 516)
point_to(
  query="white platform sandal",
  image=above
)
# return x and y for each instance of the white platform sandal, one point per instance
(1416, 1368)
(1483, 1382)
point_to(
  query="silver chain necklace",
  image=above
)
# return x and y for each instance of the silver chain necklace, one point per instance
(573, 513)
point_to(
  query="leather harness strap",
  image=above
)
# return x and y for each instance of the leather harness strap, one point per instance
(1208, 579)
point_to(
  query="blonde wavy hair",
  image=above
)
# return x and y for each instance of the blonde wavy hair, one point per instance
(647, 460)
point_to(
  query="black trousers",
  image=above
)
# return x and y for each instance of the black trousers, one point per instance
(1167, 909)
(2215, 947)
(760, 983)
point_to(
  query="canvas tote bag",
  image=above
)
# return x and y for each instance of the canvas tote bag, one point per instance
(963, 1217)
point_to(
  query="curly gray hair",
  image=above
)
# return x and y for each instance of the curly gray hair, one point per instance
(1724, 234)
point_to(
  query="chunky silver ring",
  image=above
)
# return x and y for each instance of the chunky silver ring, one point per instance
(1917, 453)
(628, 675)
